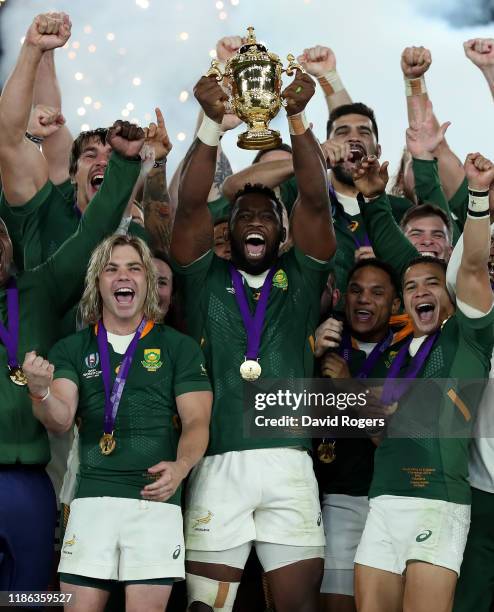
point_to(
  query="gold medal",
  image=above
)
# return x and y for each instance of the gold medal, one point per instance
(326, 452)
(17, 376)
(107, 444)
(250, 370)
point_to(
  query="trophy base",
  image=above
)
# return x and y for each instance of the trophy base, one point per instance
(259, 140)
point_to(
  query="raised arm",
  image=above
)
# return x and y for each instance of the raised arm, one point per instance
(312, 225)
(24, 169)
(472, 283)
(192, 234)
(320, 62)
(270, 173)
(415, 61)
(480, 51)
(387, 239)
(56, 148)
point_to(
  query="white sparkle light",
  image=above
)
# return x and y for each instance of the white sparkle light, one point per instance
(136, 81)
(97, 105)
(76, 44)
(184, 95)
(235, 2)
(85, 127)
(110, 36)
(125, 112)
(147, 116)
(184, 36)
(130, 106)
(78, 76)
(81, 111)
(88, 100)
(212, 53)
(92, 48)
(219, 5)
(71, 55)
(223, 15)
(144, 4)
(88, 29)
(135, 120)
(181, 136)
(22, 40)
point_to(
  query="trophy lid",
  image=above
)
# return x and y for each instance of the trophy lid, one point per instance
(252, 42)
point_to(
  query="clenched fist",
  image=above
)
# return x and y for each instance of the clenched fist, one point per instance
(211, 97)
(45, 121)
(480, 51)
(39, 373)
(415, 62)
(125, 138)
(370, 177)
(328, 335)
(298, 93)
(49, 31)
(317, 60)
(479, 172)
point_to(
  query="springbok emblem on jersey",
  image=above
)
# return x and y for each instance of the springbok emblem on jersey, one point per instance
(204, 520)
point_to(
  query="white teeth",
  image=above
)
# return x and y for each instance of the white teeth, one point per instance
(428, 254)
(363, 312)
(255, 236)
(124, 290)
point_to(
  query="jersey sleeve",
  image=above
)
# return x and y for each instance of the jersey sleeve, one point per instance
(459, 204)
(387, 239)
(219, 209)
(478, 332)
(62, 357)
(190, 370)
(315, 273)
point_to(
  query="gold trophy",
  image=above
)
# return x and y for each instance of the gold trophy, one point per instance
(253, 75)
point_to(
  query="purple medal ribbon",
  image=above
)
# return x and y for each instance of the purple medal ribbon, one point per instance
(393, 390)
(372, 359)
(112, 400)
(10, 335)
(253, 324)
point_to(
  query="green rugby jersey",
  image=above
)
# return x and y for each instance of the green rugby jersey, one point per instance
(213, 318)
(45, 294)
(437, 468)
(351, 471)
(166, 364)
(40, 226)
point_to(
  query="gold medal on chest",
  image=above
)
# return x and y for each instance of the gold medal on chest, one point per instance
(17, 376)
(326, 452)
(107, 444)
(250, 369)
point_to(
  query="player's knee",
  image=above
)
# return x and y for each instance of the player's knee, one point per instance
(207, 595)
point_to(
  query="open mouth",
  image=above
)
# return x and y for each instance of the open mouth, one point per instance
(427, 253)
(124, 295)
(357, 152)
(362, 315)
(255, 245)
(425, 312)
(96, 181)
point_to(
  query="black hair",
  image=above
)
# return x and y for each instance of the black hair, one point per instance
(257, 188)
(381, 265)
(99, 134)
(425, 259)
(281, 147)
(356, 108)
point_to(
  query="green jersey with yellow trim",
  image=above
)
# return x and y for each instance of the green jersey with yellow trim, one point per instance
(166, 364)
(213, 317)
(437, 468)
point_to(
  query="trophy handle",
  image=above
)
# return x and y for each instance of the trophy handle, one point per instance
(215, 71)
(292, 65)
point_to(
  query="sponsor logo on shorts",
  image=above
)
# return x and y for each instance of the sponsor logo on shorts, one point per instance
(425, 535)
(176, 552)
(201, 521)
(152, 359)
(69, 543)
(319, 519)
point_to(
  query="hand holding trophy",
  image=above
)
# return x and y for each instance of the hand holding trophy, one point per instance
(254, 76)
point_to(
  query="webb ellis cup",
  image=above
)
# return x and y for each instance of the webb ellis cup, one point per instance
(253, 76)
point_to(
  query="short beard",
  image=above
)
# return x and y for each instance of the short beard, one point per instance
(342, 175)
(241, 262)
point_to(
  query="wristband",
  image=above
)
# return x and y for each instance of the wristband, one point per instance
(36, 139)
(478, 204)
(159, 163)
(210, 132)
(415, 87)
(297, 124)
(37, 398)
(330, 83)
